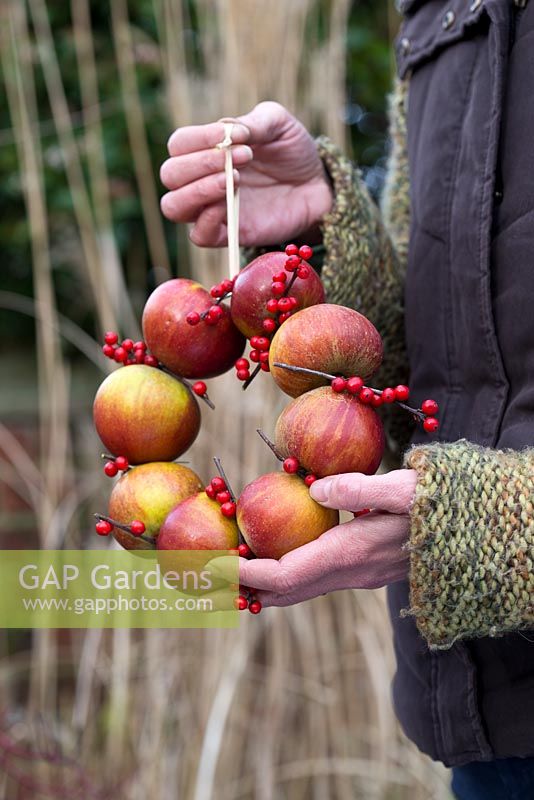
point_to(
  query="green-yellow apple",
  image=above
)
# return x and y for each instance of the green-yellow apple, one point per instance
(329, 338)
(330, 433)
(146, 415)
(253, 289)
(276, 514)
(199, 351)
(147, 493)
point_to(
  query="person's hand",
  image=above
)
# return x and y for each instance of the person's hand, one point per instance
(365, 553)
(284, 188)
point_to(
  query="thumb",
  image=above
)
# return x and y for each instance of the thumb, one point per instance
(266, 122)
(353, 491)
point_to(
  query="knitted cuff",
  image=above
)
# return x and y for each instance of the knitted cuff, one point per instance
(471, 542)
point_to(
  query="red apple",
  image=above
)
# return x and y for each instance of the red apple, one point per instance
(329, 338)
(148, 493)
(146, 415)
(330, 433)
(276, 514)
(252, 290)
(195, 524)
(199, 351)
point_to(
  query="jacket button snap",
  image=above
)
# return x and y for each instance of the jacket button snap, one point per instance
(405, 46)
(448, 20)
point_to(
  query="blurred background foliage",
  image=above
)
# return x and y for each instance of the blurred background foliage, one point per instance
(368, 78)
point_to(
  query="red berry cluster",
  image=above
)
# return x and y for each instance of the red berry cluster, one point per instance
(115, 465)
(214, 313)
(279, 307)
(247, 599)
(104, 527)
(292, 467)
(127, 352)
(218, 490)
(378, 397)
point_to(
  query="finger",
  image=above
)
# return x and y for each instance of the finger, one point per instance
(210, 227)
(192, 138)
(353, 491)
(266, 122)
(185, 204)
(261, 573)
(180, 170)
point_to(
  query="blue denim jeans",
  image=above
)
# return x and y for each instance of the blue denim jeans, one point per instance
(502, 779)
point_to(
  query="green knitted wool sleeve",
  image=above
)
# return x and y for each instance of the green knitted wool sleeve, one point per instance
(471, 542)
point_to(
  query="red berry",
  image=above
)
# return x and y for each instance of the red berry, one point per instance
(292, 250)
(139, 357)
(305, 252)
(242, 363)
(282, 318)
(284, 304)
(292, 263)
(218, 484)
(243, 374)
(366, 395)
(111, 337)
(254, 355)
(199, 388)
(310, 478)
(362, 512)
(272, 305)
(280, 277)
(430, 424)
(137, 527)
(265, 366)
(210, 491)
(291, 465)
(110, 468)
(120, 355)
(294, 302)
(254, 607)
(262, 343)
(121, 463)
(264, 357)
(278, 289)
(227, 285)
(103, 527)
(354, 385)
(214, 314)
(223, 497)
(388, 395)
(269, 325)
(108, 350)
(128, 345)
(217, 291)
(429, 407)
(240, 603)
(140, 345)
(193, 318)
(339, 384)
(402, 392)
(228, 509)
(303, 272)
(150, 361)
(244, 550)
(377, 401)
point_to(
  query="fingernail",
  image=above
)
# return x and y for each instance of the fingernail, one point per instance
(242, 153)
(320, 490)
